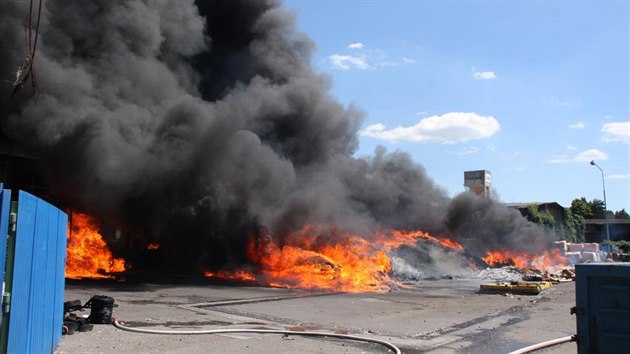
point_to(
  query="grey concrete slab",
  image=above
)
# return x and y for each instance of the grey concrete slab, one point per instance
(442, 316)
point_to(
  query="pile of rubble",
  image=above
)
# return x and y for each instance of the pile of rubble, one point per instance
(564, 274)
(502, 274)
(511, 273)
(529, 281)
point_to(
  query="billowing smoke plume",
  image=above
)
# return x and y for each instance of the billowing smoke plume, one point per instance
(197, 123)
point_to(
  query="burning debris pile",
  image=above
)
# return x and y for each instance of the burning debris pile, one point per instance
(87, 254)
(325, 259)
(196, 124)
(351, 263)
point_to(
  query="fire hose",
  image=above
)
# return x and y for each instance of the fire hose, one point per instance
(545, 344)
(389, 345)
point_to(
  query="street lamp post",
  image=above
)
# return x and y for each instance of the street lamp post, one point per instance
(605, 207)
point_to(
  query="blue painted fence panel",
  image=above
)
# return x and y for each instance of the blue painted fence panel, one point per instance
(59, 279)
(20, 296)
(5, 210)
(36, 313)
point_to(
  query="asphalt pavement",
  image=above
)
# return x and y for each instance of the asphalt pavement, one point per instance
(438, 316)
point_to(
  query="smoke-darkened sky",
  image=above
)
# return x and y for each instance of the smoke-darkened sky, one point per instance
(197, 123)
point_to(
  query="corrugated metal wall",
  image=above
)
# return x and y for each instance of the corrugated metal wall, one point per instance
(36, 311)
(5, 210)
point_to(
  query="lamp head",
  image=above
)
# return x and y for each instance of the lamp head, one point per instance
(593, 162)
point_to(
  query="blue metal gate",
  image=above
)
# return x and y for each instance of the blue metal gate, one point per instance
(34, 275)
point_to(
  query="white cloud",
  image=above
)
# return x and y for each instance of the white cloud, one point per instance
(450, 128)
(357, 45)
(362, 58)
(590, 155)
(345, 62)
(578, 125)
(408, 60)
(468, 150)
(483, 75)
(584, 156)
(616, 131)
(571, 147)
(619, 176)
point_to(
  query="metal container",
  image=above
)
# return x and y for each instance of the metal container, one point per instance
(603, 308)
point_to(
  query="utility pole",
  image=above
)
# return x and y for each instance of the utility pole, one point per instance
(605, 207)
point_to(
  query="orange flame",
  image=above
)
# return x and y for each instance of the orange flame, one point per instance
(153, 246)
(238, 275)
(548, 260)
(351, 264)
(87, 255)
(410, 237)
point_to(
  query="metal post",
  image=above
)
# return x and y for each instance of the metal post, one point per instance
(605, 207)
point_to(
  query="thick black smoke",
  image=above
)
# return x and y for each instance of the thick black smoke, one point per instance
(196, 124)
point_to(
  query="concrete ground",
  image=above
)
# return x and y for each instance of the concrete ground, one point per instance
(441, 316)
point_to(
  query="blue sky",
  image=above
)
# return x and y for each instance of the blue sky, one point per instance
(530, 90)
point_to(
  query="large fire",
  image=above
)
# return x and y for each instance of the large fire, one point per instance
(349, 264)
(547, 260)
(312, 258)
(87, 255)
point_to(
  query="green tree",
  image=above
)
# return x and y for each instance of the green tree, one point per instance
(581, 207)
(621, 214)
(573, 228)
(541, 218)
(598, 210)
(579, 211)
(624, 245)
